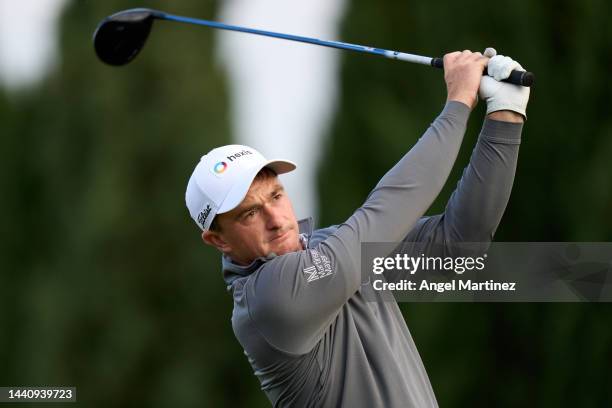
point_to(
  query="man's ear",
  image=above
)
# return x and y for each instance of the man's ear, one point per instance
(213, 238)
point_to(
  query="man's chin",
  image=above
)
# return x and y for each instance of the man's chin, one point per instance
(286, 247)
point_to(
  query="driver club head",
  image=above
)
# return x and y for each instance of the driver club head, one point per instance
(119, 38)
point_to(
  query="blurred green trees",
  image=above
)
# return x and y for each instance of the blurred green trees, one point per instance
(104, 282)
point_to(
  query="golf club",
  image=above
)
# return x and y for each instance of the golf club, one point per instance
(119, 38)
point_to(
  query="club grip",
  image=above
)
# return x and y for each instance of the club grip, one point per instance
(524, 78)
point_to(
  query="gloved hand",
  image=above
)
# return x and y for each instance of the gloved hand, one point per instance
(502, 95)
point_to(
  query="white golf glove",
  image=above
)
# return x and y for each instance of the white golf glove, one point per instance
(502, 95)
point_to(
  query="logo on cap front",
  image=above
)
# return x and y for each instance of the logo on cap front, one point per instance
(238, 155)
(203, 215)
(220, 167)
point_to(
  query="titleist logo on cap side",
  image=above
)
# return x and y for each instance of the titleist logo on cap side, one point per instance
(203, 215)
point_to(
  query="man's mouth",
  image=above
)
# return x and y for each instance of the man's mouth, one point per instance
(280, 237)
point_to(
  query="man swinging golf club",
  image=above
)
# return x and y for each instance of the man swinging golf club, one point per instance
(299, 307)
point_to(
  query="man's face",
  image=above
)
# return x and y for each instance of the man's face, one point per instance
(263, 223)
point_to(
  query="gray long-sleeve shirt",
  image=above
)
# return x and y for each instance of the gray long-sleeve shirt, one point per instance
(302, 318)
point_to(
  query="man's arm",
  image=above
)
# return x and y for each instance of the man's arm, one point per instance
(476, 207)
(293, 298)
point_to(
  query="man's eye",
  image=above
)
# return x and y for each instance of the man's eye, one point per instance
(277, 196)
(250, 214)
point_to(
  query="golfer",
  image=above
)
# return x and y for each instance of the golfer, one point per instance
(299, 307)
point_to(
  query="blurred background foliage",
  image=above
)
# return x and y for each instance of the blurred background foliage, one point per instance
(104, 282)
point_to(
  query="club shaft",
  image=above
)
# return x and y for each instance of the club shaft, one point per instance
(516, 77)
(418, 59)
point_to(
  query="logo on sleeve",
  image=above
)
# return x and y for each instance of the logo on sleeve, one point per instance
(321, 267)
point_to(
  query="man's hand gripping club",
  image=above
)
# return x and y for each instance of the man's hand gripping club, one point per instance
(462, 73)
(505, 101)
(464, 82)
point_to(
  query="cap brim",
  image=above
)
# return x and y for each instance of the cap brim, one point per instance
(240, 189)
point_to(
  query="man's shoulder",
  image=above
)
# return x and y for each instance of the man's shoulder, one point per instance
(321, 234)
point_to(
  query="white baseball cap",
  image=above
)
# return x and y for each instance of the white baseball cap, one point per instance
(222, 178)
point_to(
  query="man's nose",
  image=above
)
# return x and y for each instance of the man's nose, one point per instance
(273, 217)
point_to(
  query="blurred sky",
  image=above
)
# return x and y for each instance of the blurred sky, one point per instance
(28, 40)
(282, 94)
